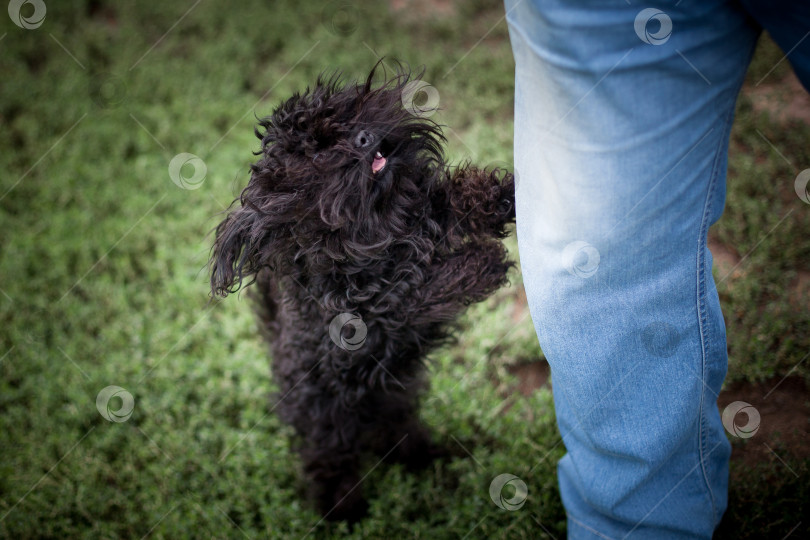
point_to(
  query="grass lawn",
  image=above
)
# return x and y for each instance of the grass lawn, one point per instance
(103, 259)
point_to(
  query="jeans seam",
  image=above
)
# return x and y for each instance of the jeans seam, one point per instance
(701, 305)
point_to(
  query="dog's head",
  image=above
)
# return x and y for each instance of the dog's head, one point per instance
(343, 171)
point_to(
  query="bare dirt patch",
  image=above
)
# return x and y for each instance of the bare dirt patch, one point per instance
(423, 8)
(784, 428)
(784, 100)
(531, 376)
(726, 260)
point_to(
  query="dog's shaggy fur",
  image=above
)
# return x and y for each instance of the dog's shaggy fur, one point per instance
(323, 231)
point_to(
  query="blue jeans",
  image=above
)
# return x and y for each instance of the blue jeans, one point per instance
(622, 122)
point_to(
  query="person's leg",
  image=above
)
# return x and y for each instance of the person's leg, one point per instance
(621, 135)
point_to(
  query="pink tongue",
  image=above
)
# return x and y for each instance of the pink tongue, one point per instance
(377, 164)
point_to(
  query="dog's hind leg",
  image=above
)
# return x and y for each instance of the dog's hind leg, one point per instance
(335, 483)
(329, 449)
(410, 444)
(266, 299)
(398, 436)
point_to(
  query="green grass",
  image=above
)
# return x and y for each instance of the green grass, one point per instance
(766, 225)
(103, 264)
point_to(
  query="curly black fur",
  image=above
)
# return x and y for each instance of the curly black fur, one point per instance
(405, 249)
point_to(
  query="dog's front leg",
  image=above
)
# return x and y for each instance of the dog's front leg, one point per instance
(473, 202)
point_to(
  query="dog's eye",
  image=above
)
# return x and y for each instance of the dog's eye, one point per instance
(323, 141)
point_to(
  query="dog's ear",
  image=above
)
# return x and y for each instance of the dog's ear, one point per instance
(234, 255)
(243, 245)
(255, 235)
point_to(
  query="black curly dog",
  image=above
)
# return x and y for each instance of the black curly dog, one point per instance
(364, 247)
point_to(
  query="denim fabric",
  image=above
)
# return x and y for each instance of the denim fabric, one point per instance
(621, 136)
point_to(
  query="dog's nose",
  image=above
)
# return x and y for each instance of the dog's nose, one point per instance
(363, 139)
